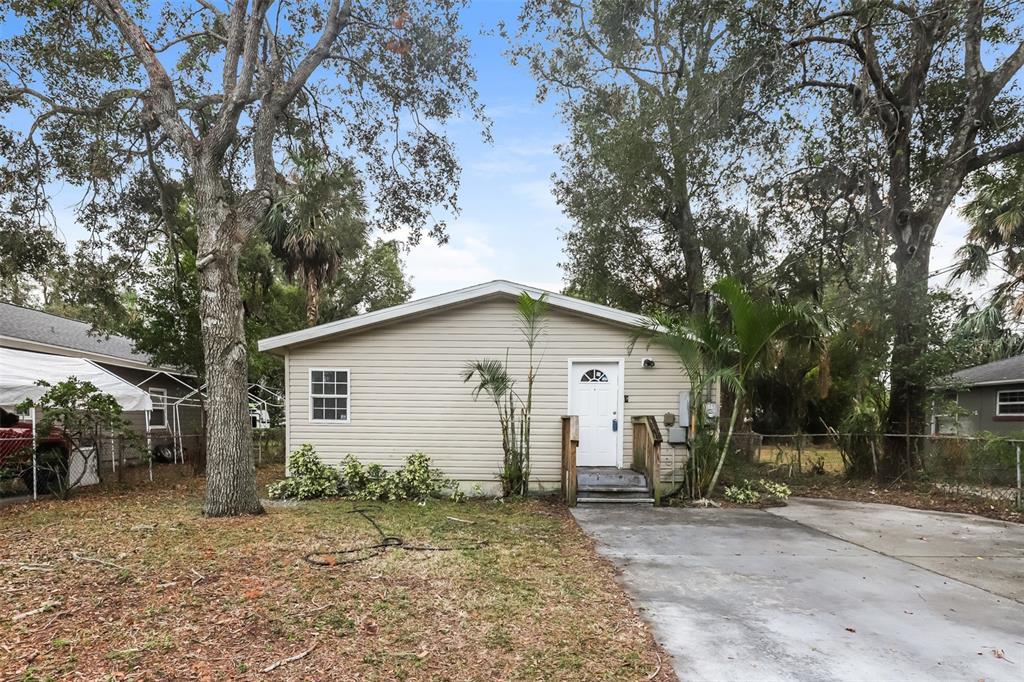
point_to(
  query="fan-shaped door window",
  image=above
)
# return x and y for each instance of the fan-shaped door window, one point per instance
(594, 376)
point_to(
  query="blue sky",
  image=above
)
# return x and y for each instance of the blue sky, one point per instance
(510, 226)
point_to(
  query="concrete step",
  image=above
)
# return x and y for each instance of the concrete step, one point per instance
(612, 489)
(609, 476)
(604, 496)
(591, 500)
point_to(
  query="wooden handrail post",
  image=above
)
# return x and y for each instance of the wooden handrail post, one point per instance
(570, 441)
(654, 464)
(647, 451)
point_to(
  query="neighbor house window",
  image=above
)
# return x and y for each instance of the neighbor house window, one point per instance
(328, 395)
(158, 417)
(1010, 404)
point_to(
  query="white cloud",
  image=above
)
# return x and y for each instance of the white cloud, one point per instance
(465, 260)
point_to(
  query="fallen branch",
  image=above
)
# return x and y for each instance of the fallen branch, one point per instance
(458, 520)
(291, 659)
(656, 670)
(95, 560)
(46, 606)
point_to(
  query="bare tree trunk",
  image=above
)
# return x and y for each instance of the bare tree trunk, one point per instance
(231, 471)
(685, 230)
(908, 389)
(312, 300)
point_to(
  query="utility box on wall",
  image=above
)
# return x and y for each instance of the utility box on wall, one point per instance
(678, 435)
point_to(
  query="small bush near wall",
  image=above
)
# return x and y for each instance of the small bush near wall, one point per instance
(416, 480)
(310, 478)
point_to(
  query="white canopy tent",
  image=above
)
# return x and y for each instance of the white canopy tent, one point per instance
(20, 370)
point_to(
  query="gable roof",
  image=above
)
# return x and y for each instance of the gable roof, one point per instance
(498, 287)
(29, 329)
(1008, 371)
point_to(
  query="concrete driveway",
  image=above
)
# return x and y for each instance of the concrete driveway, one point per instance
(822, 590)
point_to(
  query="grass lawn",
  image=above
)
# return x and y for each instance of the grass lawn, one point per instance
(135, 584)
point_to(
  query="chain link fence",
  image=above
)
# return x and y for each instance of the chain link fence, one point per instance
(57, 468)
(981, 466)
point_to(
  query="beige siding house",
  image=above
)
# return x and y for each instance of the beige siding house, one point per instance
(386, 384)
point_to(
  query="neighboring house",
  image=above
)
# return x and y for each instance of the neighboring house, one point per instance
(388, 383)
(40, 332)
(986, 398)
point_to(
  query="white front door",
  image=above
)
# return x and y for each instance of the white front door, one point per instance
(594, 397)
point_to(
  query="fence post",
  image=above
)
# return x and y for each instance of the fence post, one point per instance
(35, 464)
(1020, 501)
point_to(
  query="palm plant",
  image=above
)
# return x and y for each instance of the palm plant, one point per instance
(531, 313)
(730, 353)
(494, 380)
(317, 222)
(514, 411)
(996, 218)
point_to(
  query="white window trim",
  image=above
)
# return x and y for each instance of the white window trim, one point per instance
(999, 404)
(162, 392)
(347, 396)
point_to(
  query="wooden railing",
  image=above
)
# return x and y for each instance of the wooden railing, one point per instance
(570, 441)
(647, 451)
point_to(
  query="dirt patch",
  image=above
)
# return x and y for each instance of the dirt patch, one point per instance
(135, 584)
(915, 496)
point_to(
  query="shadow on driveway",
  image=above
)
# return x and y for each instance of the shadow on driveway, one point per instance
(737, 594)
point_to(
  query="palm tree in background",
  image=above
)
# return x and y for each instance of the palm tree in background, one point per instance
(729, 353)
(995, 240)
(317, 223)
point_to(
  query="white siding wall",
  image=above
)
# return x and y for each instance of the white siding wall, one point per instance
(407, 394)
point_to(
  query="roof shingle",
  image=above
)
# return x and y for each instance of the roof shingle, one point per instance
(36, 326)
(1010, 370)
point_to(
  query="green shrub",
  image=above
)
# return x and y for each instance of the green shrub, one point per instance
(777, 492)
(749, 492)
(309, 478)
(743, 493)
(416, 480)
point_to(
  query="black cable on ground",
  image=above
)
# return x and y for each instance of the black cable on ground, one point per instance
(355, 554)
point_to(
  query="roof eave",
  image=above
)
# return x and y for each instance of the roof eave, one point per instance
(997, 382)
(283, 341)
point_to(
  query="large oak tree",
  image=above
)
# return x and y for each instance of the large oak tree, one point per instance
(928, 88)
(104, 94)
(666, 102)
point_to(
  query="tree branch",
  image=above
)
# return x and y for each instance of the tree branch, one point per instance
(187, 38)
(997, 154)
(813, 83)
(1001, 75)
(973, 69)
(337, 18)
(161, 98)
